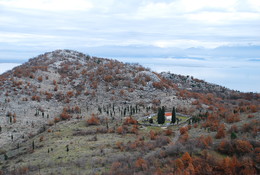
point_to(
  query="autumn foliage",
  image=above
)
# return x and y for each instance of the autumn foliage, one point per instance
(93, 120)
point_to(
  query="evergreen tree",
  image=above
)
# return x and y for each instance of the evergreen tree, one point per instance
(233, 135)
(163, 115)
(159, 116)
(33, 145)
(5, 156)
(173, 120)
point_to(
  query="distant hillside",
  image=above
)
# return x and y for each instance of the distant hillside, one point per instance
(65, 97)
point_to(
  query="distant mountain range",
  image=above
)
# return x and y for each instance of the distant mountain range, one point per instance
(251, 52)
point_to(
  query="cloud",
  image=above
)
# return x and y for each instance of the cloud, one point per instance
(48, 5)
(185, 43)
(163, 23)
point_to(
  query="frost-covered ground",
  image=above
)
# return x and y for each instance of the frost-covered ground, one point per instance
(237, 74)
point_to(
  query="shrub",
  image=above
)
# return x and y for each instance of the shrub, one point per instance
(225, 147)
(56, 119)
(242, 146)
(186, 158)
(93, 120)
(250, 116)
(65, 116)
(221, 132)
(168, 132)
(120, 130)
(183, 130)
(130, 120)
(40, 78)
(141, 163)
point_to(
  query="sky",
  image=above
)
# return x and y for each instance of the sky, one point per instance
(98, 27)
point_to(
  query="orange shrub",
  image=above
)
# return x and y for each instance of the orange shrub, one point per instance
(120, 130)
(108, 78)
(253, 108)
(70, 94)
(183, 130)
(36, 98)
(56, 119)
(134, 129)
(242, 146)
(141, 163)
(186, 158)
(93, 120)
(168, 132)
(221, 132)
(130, 120)
(195, 125)
(122, 92)
(40, 78)
(158, 85)
(179, 163)
(152, 135)
(65, 116)
(184, 138)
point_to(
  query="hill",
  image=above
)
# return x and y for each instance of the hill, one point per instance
(64, 112)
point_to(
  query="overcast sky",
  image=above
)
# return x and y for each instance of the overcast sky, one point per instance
(51, 24)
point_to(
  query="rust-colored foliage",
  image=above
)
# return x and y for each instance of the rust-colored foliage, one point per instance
(183, 130)
(242, 146)
(253, 108)
(130, 120)
(120, 130)
(114, 167)
(48, 95)
(141, 163)
(158, 85)
(186, 158)
(195, 125)
(108, 78)
(184, 138)
(134, 129)
(152, 135)
(179, 164)
(56, 119)
(36, 98)
(40, 78)
(122, 92)
(168, 132)
(221, 133)
(93, 120)
(65, 116)
(70, 94)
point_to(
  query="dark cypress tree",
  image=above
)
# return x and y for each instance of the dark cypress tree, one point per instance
(173, 120)
(67, 148)
(159, 116)
(5, 156)
(33, 145)
(163, 115)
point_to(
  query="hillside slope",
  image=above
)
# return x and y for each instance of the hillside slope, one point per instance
(50, 104)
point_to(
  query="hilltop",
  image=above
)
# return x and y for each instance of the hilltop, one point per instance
(67, 107)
